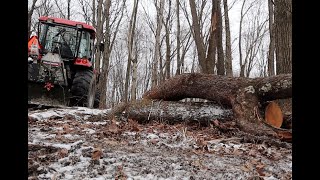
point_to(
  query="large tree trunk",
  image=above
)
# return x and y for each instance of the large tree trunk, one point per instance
(283, 35)
(241, 94)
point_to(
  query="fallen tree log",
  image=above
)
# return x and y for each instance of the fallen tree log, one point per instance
(172, 112)
(243, 95)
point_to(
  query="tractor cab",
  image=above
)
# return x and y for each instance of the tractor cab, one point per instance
(74, 41)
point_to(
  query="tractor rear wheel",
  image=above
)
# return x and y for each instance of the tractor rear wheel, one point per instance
(80, 88)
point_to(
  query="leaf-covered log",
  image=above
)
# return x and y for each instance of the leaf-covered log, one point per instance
(241, 94)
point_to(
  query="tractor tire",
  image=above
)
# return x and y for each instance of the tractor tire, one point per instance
(80, 88)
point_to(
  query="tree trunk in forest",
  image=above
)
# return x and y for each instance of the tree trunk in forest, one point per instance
(198, 38)
(212, 44)
(102, 87)
(30, 13)
(241, 94)
(283, 35)
(94, 14)
(68, 9)
(220, 60)
(159, 8)
(178, 71)
(130, 49)
(272, 44)
(228, 61)
(242, 65)
(167, 27)
(99, 36)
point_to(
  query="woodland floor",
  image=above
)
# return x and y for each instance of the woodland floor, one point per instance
(80, 143)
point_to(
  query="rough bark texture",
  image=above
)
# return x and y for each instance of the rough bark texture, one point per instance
(228, 64)
(154, 80)
(173, 112)
(271, 45)
(241, 94)
(178, 71)
(198, 39)
(220, 61)
(283, 35)
(30, 12)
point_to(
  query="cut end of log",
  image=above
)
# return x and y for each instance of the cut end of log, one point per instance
(273, 115)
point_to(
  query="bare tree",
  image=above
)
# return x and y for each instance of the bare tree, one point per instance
(99, 30)
(159, 8)
(253, 38)
(272, 43)
(131, 58)
(112, 23)
(283, 35)
(199, 39)
(178, 71)
(94, 13)
(242, 14)
(30, 13)
(86, 8)
(60, 6)
(220, 62)
(167, 25)
(228, 60)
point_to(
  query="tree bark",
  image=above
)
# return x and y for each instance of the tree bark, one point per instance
(198, 38)
(30, 13)
(178, 71)
(228, 61)
(159, 8)
(99, 36)
(241, 94)
(220, 61)
(106, 58)
(283, 35)
(172, 112)
(212, 44)
(130, 49)
(271, 45)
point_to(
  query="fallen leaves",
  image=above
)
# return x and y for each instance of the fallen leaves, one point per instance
(96, 153)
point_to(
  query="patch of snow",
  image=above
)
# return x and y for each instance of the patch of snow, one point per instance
(89, 131)
(265, 88)
(152, 136)
(249, 89)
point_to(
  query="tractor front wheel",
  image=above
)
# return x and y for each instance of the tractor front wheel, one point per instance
(81, 87)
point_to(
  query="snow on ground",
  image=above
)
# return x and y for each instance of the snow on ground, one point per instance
(74, 144)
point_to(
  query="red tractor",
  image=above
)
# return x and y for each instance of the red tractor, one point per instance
(60, 63)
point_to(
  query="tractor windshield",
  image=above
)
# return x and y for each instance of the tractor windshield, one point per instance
(68, 41)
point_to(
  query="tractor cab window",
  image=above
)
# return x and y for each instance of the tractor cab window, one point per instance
(59, 39)
(84, 47)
